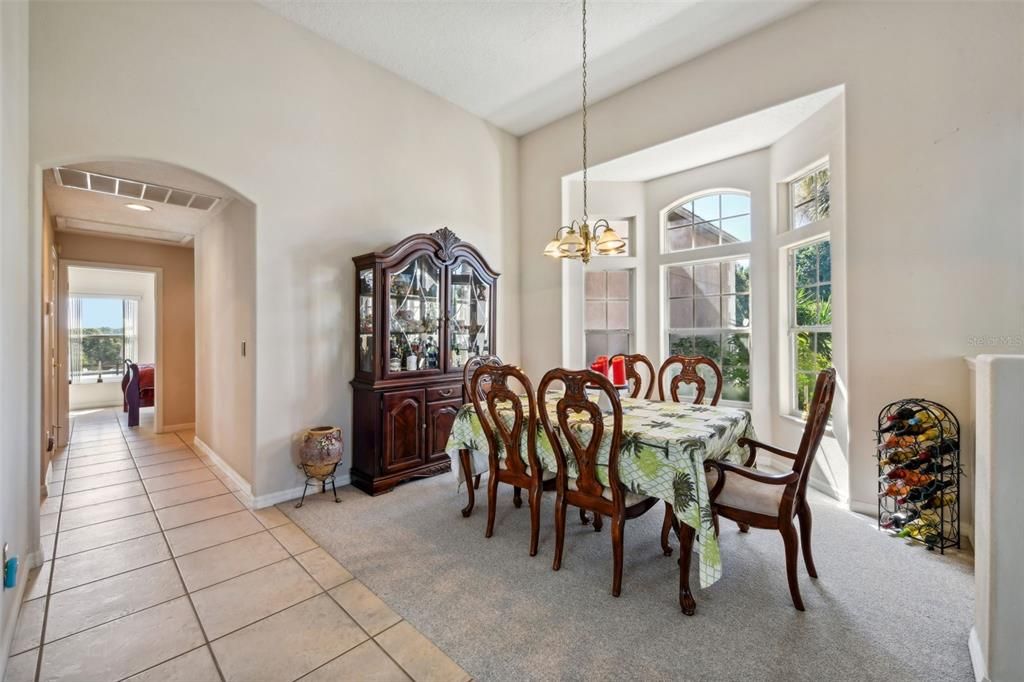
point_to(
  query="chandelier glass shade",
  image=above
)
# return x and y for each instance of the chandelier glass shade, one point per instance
(580, 239)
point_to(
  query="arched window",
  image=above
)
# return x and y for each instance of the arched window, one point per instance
(708, 219)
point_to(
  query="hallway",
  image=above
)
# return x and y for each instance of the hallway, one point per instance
(156, 571)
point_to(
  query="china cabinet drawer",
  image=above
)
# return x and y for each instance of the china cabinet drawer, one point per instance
(438, 393)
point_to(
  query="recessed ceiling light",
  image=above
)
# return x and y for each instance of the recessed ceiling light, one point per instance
(138, 207)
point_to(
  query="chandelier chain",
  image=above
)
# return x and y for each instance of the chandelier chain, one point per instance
(585, 217)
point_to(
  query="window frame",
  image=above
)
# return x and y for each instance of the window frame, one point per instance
(790, 184)
(134, 298)
(703, 255)
(793, 328)
(631, 331)
(722, 331)
(663, 222)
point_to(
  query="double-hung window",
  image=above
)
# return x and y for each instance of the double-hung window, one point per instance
(608, 312)
(707, 284)
(810, 313)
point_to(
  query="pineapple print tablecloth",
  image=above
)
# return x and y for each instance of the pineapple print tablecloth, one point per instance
(664, 446)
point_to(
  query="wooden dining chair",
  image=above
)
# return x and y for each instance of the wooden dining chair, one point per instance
(754, 498)
(508, 439)
(632, 362)
(688, 374)
(579, 485)
(467, 376)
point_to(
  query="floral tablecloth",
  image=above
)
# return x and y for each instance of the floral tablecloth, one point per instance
(664, 446)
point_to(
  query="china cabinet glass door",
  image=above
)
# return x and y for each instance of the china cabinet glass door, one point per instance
(469, 315)
(414, 316)
(366, 336)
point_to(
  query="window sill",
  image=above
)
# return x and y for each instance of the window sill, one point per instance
(829, 433)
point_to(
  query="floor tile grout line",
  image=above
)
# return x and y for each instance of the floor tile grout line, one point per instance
(373, 638)
(152, 509)
(188, 595)
(53, 566)
(204, 645)
(126, 615)
(345, 611)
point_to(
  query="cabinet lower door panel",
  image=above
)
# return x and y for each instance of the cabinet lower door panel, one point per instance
(404, 421)
(440, 418)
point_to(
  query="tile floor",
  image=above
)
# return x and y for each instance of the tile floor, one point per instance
(155, 570)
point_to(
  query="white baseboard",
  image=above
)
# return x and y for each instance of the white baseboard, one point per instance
(32, 559)
(178, 427)
(861, 507)
(295, 493)
(977, 657)
(244, 487)
(45, 487)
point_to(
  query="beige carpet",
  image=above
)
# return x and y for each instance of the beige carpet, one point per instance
(881, 610)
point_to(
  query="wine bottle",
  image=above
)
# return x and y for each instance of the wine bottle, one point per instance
(893, 442)
(901, 415)
(938, 449)
(935, 467)
(896, 489)
(903, 517)
(926, 527)
(925, 492)
(898, 457)
(896, 474)
(943, 500)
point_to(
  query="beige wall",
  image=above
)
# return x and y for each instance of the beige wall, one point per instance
(934, 166)
(225, 318)
(50, 333)
(339, 157)
(175, 311)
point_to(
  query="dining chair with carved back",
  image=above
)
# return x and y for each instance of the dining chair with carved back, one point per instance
(632, 362)
(509, 425)
(467, 376)
(689, 373)
(755, 498)
(580, 485)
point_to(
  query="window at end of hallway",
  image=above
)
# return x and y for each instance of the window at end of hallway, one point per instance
(102, 334)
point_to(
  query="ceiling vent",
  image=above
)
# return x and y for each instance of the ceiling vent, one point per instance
(133, 189)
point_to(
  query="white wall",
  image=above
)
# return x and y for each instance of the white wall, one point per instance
(19, 319)
(128, 283)
(999, 601)
(934, 171)
(339, 157)
(225, 319)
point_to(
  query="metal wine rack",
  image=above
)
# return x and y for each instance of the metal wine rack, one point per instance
(947, 473)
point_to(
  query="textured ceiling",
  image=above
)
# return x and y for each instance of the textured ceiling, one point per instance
(517, 63)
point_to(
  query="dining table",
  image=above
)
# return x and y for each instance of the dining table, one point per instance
(663, 449)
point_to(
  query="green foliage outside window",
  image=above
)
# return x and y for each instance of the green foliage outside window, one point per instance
(812, 310)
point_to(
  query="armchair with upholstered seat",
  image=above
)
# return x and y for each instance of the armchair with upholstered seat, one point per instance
(751, 497)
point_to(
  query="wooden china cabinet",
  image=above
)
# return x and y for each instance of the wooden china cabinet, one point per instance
(424, 307)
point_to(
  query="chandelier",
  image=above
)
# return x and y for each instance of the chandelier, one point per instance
(580, 239)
